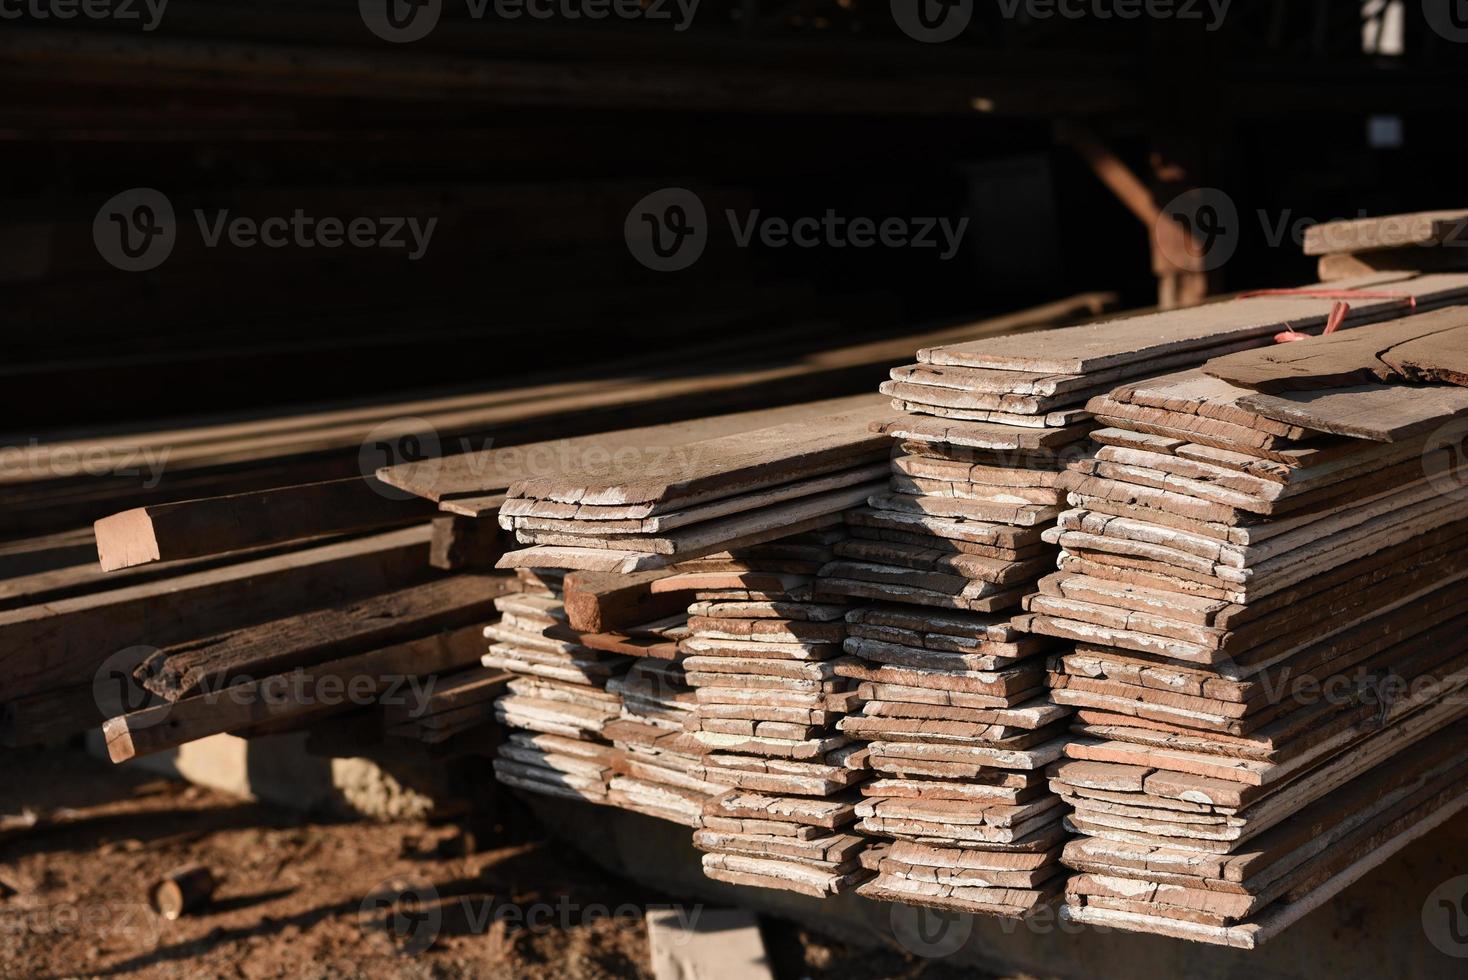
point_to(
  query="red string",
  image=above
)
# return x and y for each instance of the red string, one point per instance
(1337, 312)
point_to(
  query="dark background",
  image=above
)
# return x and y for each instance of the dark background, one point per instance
(531, 140)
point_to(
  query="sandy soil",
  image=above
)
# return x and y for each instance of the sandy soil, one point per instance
(302, 897)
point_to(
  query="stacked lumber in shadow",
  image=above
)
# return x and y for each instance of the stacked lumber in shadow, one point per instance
(1270, 655)
(64, 480)
(1427, 241)
(761, 656)
(301, 609)
(955, 707)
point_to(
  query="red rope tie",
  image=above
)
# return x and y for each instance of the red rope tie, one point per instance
(1337, 312)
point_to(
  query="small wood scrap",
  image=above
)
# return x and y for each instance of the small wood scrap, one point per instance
(706, 944)
(181, 891)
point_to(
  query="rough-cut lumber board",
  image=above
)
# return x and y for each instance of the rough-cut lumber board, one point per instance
(725, 465)
(48, 552)
(325, 688)
(311, 637)
(495, 470)
(538, 515)
(1432, 347)
(1379, 412)
(62, 643)
(757, 528)
(1136, 341)
(597, 602)
(217, 525)
(1389, 231)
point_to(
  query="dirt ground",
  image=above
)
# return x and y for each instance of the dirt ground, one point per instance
(304, 897)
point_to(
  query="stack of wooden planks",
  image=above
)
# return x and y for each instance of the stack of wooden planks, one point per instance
(651, 504)
(1268, 622)
(597, 710)
(761, 655)
(558, 693)
(959, 730)
(955, 709)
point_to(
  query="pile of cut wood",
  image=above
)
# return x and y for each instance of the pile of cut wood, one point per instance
(761, 655)
(600, 699)
(1267, 595)
(659, 500)
(956, 711)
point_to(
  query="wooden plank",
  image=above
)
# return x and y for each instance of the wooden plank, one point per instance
(725, 465)
(217, 525)
(62, 643)
(1136, 341)
(1432, 347)
(319, 688)
(598, 602)
(1381, 412)
(310, 637)
(473, 475)
(1391, 231)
